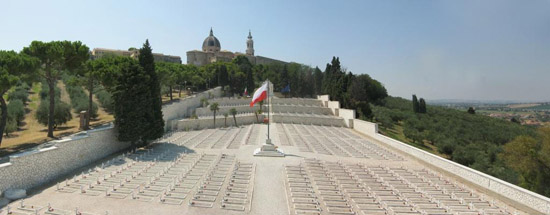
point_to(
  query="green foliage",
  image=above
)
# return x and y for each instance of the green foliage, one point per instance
(16, 111)
(11, 126)
(469, 139)
(153, 112)
(416, 105)
(214, 108)
(530, 157)
(363, 110)
(13, 69)
(20, 93)
(225, 115)
(318, 81)
(56, 57)
(471, 110)
(62, 113)
(421, 106)
(168, 75)
(106, 100)
(45, 91)
(80, 100)
(233, 112)
(131, 108)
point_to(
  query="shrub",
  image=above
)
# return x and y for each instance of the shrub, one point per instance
(44, 92)
(106, 100)
(62, 113)
(16, 111)
(20, 93)
(11, 126)
(80, 100)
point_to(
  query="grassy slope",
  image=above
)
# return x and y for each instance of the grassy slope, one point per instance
(397, 133)
(31, 133)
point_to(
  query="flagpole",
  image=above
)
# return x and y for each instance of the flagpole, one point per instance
(268, 109)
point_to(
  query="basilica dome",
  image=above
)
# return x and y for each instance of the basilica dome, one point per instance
(211, 43)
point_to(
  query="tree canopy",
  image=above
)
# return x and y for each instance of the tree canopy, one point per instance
(13, 67)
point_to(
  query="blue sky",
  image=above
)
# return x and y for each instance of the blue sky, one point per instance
(483, 50)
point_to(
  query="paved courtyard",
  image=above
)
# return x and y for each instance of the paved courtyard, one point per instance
(327, 170)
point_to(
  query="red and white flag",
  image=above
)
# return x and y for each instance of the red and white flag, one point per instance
(259, 95)
(245, 92)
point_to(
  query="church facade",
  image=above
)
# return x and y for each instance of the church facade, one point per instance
(211, 52)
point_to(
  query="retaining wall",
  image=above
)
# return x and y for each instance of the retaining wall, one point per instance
(197, 124)
(184, 108)
(36, 167)
(231, 101)
(296, 101)
(50, 160)
(348, 115)
(512, 192)
(308, 120)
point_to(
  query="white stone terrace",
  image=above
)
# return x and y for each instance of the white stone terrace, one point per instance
(327, 170)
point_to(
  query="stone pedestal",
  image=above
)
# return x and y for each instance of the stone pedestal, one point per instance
(83, 120)
(268, 150)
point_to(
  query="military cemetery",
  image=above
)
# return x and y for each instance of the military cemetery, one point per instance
(328, 168)
(361, 108)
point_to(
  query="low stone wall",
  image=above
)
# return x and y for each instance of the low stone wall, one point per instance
(296, 101)
(324, 100)
(368, 128)
(301, 109)
(276, 108)
(197, 124)
(205, 111)
(230, 101)
(517, 194)
(308, 120)
(185, 107)
(33, 168)
(348, 115)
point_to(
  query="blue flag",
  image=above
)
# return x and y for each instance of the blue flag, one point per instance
(286, 89)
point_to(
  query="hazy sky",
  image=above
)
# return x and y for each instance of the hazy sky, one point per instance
(497, 50)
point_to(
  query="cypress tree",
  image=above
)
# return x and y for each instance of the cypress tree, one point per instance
(318, 78)
(154, 110)
(284, 78)
(132, 105)
(415, 104)
(422, 106)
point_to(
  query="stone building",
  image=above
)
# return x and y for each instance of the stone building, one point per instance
(101, 52)
(211, 52)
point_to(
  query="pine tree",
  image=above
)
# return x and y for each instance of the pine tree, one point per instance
(154, 110)
(415, 104)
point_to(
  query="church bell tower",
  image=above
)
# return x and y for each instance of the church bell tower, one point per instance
(250, 45)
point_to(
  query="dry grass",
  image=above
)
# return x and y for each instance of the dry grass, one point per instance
(523, 105)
